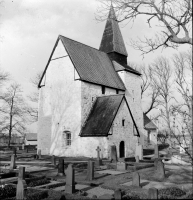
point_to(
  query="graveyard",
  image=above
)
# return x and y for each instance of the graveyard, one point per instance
(26, 174)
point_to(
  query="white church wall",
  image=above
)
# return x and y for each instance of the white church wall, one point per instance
(123, 133)
(59, 105)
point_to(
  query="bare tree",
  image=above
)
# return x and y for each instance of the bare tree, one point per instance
(33, 110)
(13, 111)
(4, 76)
(174, 18)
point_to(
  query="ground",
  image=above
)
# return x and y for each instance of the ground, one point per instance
(106, 178)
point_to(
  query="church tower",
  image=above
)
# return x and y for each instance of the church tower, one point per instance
(112, 41)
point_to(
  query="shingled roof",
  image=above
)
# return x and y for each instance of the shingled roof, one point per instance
(148, 124)
(112, 40)
(101, 116)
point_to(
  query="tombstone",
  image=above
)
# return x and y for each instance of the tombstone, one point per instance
(12, 164)
(90, 171)
(39, 154)
(70, 183)
(139, 151)
(156, 151)
(61, 167)
(53, 160)
(160, 172)
(23, 146)
(117, 194)
(15, 151)
(156, 162)
(153, 193)
(21, 173)
(121, 166)
(136, 179)
(99, 161)
(113, 154)
(136, 159)
(21, 187)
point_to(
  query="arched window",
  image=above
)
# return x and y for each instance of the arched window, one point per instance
(68, 138)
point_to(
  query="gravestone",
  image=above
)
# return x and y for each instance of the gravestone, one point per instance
(53, 160)
(61, 167)
(39, 154)
(153, 193)
(156, 151)
(139, 151)
(12, 164)
(121, 166)
(21, 187)
(90, 171)
(23, 146)
(99, 161)
(160, 172)
(136, 159)
(117, 194)
(70, 183)
(156, 162)
(113, 157)
(21, 173)
(136, 179)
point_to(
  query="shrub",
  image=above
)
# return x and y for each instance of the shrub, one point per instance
(37, 195)
(172, 191)
(38, 182)
(7, 191)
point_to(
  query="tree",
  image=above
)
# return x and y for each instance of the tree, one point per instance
(13, 111)
(173, 17)
(4, 76)
(162, 136)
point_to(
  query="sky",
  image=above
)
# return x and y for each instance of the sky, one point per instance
(29, 29)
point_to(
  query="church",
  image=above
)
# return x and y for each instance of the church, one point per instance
(90, 98)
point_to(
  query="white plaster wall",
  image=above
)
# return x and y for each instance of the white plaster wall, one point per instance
(123, 133)
(133, 95)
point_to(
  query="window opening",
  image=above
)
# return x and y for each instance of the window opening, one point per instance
(103, 89)
(68, 138)
(123, 122)
(117, 91)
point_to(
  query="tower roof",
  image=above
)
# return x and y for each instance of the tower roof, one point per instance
(112, 40)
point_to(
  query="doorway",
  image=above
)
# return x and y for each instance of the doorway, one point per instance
(122, 149)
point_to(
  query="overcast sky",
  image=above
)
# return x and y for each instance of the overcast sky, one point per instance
(29, 29)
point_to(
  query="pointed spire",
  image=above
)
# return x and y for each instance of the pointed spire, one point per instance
(112, 40)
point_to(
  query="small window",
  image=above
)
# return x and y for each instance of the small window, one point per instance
(123, 122)
(68, 137)
(103, 89)
(117, 91)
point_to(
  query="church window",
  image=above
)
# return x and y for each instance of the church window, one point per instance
(103, 89)
(68, 138)
(123, 122)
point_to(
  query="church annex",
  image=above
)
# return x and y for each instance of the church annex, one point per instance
(89, 98)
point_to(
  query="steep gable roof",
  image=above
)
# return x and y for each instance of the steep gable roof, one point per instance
(148, 124)
(102, 115)
(91, 64)
(112, 40)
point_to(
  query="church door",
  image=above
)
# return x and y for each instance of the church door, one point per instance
(122, 149)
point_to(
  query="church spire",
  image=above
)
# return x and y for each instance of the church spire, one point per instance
(112, 41)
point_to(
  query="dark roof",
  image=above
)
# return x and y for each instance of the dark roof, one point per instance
(121, 67)
(101, 116)
(91, 64)
(112, 40)
(148, 124)
(31, 137)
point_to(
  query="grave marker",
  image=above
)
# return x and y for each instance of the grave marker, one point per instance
(90, 171)
(53, 160)
(121, 166)
(139, 151)
(156, 151)
(12, 164)
(136, 179)
(136, 159)
(99, 161)
(23, 146)
(21, 173)
(160, 172)
(117, 194)
(153, 193)
(21, 187)
(39, 154)
(113, 154)
(61, 167)
(70, 183)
